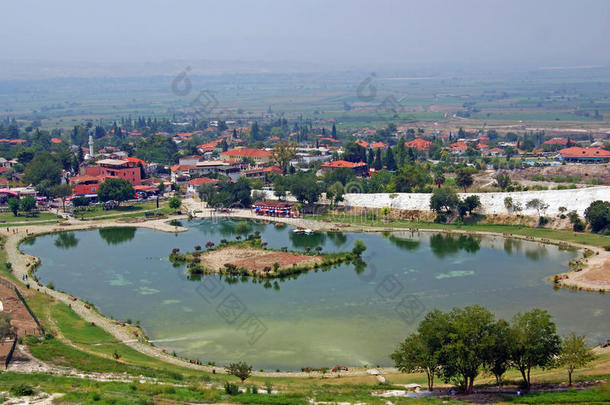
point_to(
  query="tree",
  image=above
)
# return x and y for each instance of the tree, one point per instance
(13, 205)
(390, 162)
(499, 355)
(408, 178)
(27, 204)
(305, 188)
(335, 192)
(464, 178)
(508, 204)
(574, 354)
(439, 178)
(534, 342)
(359, 247)
(61, 191)
(240, 370)
(6, 329)
(467, 345)
(43, 167)
(598, 215)
(283, 153)
(471, 203)
(377, 163)
(115, 189)
(174, 203)
(537, 204)
(333, 132)
(414, 355)
(503, 181)
(80, 201)
(443, 200)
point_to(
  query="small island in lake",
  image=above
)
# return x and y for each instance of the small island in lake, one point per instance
(253, 258)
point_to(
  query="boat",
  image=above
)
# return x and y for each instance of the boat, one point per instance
(303, 230)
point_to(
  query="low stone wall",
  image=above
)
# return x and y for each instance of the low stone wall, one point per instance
(491, 203)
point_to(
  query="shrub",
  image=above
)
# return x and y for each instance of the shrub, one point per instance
(21, 390)
(579, 226)
(231, 389)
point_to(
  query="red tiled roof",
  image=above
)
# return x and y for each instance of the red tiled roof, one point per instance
(492, 151)
(458, 146)
(326, 140)
(557, 141)
(576, 151)
(3, 170)
(136, 160)
(343, 163)
(373, 145)
(3, 181)
(56, 140)
(483, 139)
(177, 168)
(273, 169)
(482, 146)
(201, 180)
(419, 144)
(13, 141)
(245, 152)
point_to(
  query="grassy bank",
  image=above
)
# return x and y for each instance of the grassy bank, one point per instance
(584, 238)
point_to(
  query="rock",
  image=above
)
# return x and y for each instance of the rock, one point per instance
(380, 378)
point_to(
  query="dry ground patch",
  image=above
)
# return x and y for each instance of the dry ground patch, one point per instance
(255, 260)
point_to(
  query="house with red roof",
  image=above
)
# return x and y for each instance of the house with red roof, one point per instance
(577, 154)
(557, 141)
(180, 174)
(56, 141)
(458, 148)
(193, 185)
(372, 145)
(13, 141)
(493, 152)
(419, 144)
(239, 154)
(359, 168)
(482, 146)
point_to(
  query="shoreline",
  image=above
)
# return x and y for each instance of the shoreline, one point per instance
(23, 264)
(598, 263)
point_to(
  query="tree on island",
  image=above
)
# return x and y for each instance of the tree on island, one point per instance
(359, 247)
(115, 189)
(240, 370)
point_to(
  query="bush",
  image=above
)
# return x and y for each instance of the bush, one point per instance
(440, 219)
(579, 226)
(21, 390)
(542, 221)
(231, 389)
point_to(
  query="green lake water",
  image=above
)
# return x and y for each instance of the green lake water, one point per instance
(349, 315)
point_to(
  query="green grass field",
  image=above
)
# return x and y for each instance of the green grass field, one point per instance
(9, 219)
(125, 210)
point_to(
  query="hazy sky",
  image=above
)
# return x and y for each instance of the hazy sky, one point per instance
(346, 33)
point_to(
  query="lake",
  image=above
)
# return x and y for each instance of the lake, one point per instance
(350, 315)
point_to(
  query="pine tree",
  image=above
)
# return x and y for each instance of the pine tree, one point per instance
(390, 162)
(334, 132)
(377, 164)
